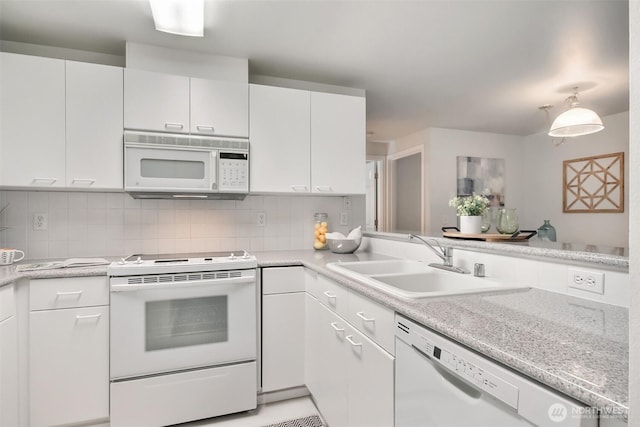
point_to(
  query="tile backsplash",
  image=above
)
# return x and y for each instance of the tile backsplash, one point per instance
(81, 224)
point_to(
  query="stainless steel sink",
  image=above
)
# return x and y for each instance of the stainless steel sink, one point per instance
(414, 279)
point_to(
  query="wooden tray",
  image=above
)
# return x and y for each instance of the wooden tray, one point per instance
(522, 235)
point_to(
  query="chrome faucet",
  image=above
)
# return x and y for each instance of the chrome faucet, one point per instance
(445, 254)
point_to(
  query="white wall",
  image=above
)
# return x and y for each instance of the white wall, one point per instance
(446, 145)
(634, 211)
(114, 224)
(533, 182)
(543, 186)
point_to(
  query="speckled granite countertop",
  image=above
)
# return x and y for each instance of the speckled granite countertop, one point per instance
(578, 347)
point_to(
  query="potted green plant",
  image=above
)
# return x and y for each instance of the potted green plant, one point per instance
(469, 210)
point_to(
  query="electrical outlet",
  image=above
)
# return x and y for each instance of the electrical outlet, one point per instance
(586, 280)
(346, 204)
(261, 220)
(344, 218)
(40, 221)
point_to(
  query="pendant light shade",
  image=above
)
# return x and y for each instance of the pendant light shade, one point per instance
(575, 121)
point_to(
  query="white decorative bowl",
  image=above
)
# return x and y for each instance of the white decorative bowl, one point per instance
(343, 246)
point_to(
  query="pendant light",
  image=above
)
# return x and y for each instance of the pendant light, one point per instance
(575, 121)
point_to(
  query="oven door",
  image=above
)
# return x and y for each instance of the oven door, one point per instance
(169, 169)
(174, 322)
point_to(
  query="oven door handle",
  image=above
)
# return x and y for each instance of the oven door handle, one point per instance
(180, 285)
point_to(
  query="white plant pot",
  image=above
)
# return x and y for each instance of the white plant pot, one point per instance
(470, 224)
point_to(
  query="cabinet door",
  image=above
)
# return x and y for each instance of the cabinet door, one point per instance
(154, 101)
(94, 126)
(32, 135)
(370, 382)
(338, 133)
(68, 365)
(283, 342)
(330, 391)
(313, 350)
(279, 125)
(9, 372)
(219, 108)
(8, 357)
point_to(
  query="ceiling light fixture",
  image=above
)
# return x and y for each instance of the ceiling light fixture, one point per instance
(181, 17)
(575, 121)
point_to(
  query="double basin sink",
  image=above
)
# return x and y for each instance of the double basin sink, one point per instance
(415, 279)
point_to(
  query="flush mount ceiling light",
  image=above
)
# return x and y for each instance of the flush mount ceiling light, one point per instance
(575, 121)
(181, 17)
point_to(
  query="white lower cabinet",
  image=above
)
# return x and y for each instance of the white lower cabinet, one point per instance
(349, 376)
(8, 358)
(283, 317)
(68, 353)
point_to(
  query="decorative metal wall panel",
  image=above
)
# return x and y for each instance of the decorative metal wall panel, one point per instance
(594, 184)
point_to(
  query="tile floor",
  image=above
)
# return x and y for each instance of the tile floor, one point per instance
(268, 413)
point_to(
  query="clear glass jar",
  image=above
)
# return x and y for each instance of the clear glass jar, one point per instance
(507, 221)
(321, 227)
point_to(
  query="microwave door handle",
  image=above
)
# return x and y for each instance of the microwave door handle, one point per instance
(181, 285)
(213, 179)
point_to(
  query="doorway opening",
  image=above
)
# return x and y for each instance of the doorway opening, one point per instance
(405, 193)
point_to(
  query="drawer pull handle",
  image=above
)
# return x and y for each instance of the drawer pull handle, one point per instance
(49, 181)
(361, 315)
(173, 125)
(207, 128)
(352, 342)
(334, 325)
(324, 188)
(89, 316)
(71, 293)
(299, 188)
(85, 181)
(330, 295)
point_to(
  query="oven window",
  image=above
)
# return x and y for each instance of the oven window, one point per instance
(186, 322)
(167, 168)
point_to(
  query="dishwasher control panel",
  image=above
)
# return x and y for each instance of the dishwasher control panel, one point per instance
(457, 360)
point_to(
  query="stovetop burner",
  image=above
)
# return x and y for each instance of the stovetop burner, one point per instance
(139, 264)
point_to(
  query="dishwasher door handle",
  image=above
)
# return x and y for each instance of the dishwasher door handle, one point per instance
(451, 378)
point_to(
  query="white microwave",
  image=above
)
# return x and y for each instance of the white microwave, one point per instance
(158, 165)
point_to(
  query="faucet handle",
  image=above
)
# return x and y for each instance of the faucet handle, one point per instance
(478, 270)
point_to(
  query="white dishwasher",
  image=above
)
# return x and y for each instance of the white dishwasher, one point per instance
(439, 383)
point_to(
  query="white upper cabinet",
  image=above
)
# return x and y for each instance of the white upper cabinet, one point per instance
(338, 143)
(154, 101)
(280, 139)
(219, 108)
(306, 142)
(181, 104)
(32, 135)
(94, 126)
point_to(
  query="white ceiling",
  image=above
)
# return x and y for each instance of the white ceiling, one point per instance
(475, 65)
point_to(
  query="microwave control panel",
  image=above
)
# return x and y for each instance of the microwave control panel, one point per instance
(233, 169)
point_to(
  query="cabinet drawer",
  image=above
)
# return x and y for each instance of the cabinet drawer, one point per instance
(280, 280)
(332, 295)
(45, 294)
(7, 302)
(68, 366)
(372, 319)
